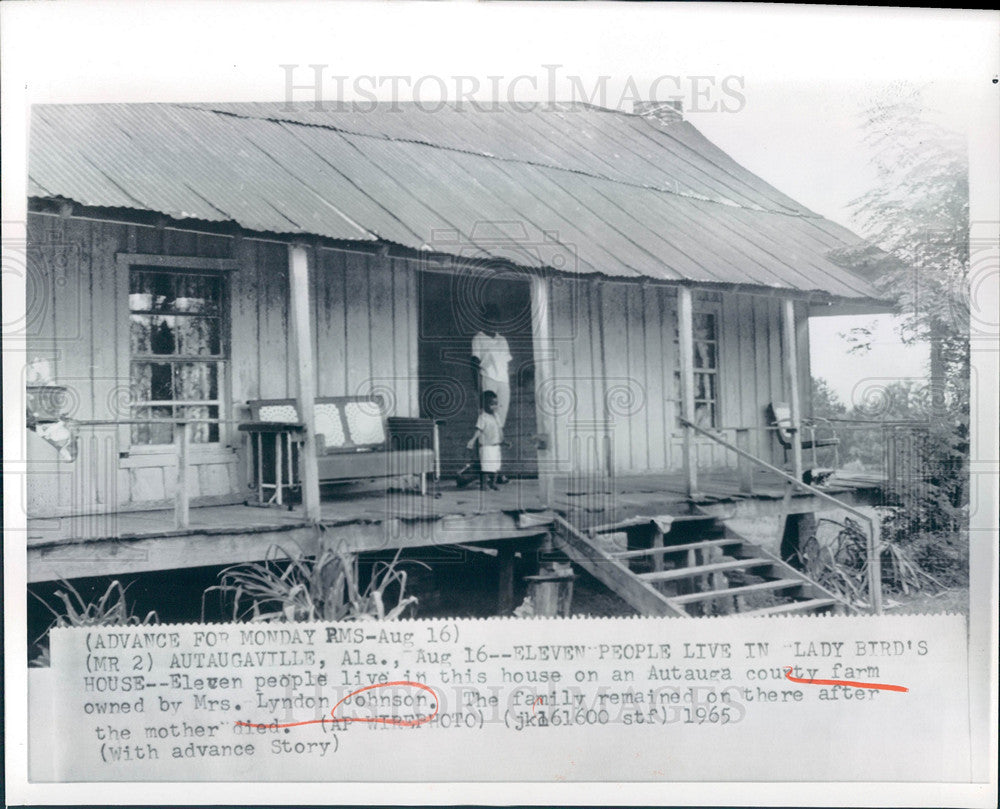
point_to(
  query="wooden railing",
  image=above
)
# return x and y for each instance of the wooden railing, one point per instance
(873, 545)
(182, 444)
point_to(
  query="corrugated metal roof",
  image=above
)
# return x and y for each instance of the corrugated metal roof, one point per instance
(614, 194)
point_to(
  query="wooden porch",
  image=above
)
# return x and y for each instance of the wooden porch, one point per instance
(125, 542)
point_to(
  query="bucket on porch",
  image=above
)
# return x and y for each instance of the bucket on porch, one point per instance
(551, 591)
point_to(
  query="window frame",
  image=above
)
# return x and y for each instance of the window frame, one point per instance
(700, 307)
(181, 265)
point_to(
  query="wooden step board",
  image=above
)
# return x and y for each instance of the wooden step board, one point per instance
(763, 586)
(582, 550)
(685, 546)
(811, 605)
(720, 558)
(701, 570)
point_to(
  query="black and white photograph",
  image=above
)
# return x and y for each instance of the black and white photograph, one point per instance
(565, 411)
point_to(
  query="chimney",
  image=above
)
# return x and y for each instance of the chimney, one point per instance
(663, 113)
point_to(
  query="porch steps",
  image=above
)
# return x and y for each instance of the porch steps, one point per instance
(777, 584)
(697, 564)
(701, 570)
(686, 546)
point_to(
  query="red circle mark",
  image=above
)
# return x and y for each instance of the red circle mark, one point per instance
(535, 703)
(385, 720)
(406, 723)
(852, 683)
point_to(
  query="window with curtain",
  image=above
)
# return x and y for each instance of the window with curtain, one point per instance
(706, 370)
(178, 351)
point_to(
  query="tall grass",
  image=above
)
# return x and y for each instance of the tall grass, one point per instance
(842, 565)
(111, 609)
(294, 586)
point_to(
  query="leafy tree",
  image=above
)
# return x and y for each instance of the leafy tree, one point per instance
(862, 433)
(918, 214)
(826, 403)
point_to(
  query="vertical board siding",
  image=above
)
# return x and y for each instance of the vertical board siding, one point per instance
(652, 375)
(613, 346)
(740, 309)
(613, 315)
(615, 356)
(761, 370)
(366, 328)
(275, 370)
(561, 400)
(594, 433)
(331, 331)
(356, 339)
(109, 395)
(74, 310)
(365, 339)
(612, 354)
(243, 295)
(382, 365)
(667, 301)
(636, 397)
(404, 340)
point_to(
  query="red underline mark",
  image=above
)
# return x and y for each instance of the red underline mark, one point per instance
(852, 683)
(385, 720)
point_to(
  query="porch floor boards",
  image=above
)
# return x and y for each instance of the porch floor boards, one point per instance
(336, 509)
(608, 500)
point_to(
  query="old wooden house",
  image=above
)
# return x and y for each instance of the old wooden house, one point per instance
(189, 262)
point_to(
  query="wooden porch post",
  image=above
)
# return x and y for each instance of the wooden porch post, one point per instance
(298, 277)
(792, 383)
(182, 503)
(541, 339)
(685, 339)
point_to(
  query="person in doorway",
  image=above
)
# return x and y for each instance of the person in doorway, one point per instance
(492, 357)
(489, 434)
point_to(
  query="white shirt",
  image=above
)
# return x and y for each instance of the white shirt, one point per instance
(493, 354)
(491, 432)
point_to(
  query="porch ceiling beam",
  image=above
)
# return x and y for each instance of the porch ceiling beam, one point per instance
(305, 394)
(843, 308)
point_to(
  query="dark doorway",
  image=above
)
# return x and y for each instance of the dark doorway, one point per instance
(451, 313)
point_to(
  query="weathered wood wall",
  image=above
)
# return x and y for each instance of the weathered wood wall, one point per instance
(615, 359)
(365, 340)
(612, 396)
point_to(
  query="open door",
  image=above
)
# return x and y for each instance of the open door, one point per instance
(451, 313)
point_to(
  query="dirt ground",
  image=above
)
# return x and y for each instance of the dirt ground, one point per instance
(955, 599)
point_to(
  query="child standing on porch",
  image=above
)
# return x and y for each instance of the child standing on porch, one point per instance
(489, 434)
